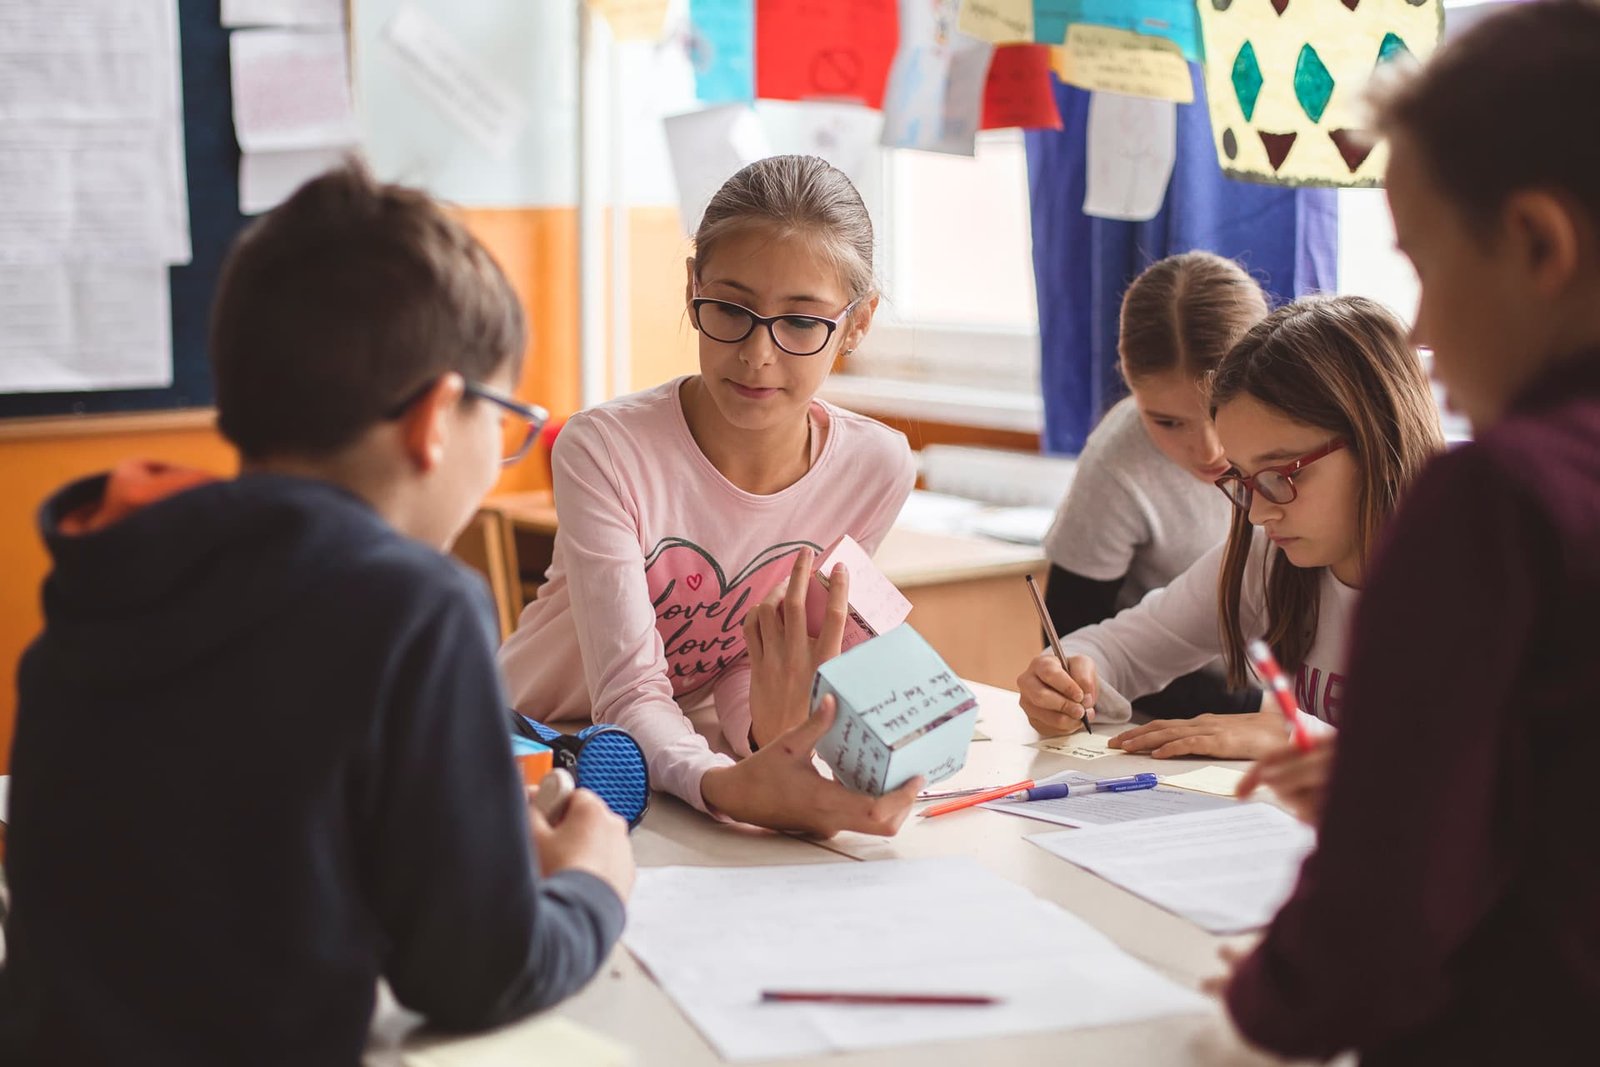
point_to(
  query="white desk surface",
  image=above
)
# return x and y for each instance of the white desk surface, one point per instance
(625, 1004)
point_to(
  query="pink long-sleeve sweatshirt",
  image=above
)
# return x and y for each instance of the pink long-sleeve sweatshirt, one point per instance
(659, 558)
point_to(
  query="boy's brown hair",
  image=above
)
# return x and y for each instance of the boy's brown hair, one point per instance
(1509, 104)
(341, 304)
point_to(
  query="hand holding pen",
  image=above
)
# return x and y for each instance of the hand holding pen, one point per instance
(1058, 692)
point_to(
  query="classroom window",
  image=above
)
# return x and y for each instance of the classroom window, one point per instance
(958, 320)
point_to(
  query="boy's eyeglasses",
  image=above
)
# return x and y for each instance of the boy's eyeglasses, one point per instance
(519, 423)
(1275, 484)
(798, 335)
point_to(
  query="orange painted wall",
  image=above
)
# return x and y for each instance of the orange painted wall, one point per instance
(537, 248)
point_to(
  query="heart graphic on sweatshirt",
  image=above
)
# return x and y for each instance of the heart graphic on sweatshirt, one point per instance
(701, 623)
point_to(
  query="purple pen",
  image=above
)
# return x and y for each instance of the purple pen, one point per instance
(1105, 785)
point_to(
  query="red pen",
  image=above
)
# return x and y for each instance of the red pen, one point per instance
(977, 798)
(787, 996)
(1267, 666)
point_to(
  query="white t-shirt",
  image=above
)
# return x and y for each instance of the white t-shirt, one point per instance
(1132, 513)
(1175, 630)
(659, 558)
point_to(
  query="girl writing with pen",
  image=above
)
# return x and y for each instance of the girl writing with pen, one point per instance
(1325, 418)
(1142, 508)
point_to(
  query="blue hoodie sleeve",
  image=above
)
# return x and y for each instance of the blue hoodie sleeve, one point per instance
(474, 937)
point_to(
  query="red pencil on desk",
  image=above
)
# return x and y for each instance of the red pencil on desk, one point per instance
(787, 996)
(1267, 666)
(977, 798)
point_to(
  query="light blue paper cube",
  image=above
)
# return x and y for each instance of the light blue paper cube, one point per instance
(902, 712)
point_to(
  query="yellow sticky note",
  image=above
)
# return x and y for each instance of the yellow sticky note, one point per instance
(541, 1039)
(999, 21)
(1078, 746)
(1120, 61)
(632, 20)
(1218, 781)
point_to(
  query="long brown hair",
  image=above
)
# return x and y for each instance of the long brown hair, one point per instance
(1342, 364)
(1184, 312)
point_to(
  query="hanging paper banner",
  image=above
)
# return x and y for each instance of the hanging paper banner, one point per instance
(722, 49)
(1286, 79)
(825, 49)
(1019, 91)
(997, 21)
(1117, 61)
(632, 20)
(935, 96)
(1172, 19)
(1132, 146)
(707, 148)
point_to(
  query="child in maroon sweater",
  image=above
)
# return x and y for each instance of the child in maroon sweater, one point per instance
(1451, 912)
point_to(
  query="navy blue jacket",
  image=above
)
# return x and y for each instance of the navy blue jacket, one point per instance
(261, 760)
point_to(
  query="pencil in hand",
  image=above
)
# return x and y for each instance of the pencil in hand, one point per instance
(1050, 632)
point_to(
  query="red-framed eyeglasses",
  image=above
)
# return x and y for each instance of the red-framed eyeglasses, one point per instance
(1275, 484)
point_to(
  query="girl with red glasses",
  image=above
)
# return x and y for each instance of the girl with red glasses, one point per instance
(1325, 417)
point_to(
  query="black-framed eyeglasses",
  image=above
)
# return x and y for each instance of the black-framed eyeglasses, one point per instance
(519, 423)
(798, 335)
(1275, 484)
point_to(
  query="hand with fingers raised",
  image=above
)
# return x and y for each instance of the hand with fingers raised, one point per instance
(783, 657)
(1058, 699)
(779, 787)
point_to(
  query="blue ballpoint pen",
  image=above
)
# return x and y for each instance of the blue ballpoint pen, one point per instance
(1104, 785)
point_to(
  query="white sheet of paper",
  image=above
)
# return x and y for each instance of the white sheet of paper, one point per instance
(323, 14)
(1227, 870)
(453, 80)
(934, 100)
(846, 135)
(1098, 809)
(716, 937)
(266, 179)
(75, 326)
(91, 133)
(1132, 147)
(5, 796)
(706, 148)
(291, 90)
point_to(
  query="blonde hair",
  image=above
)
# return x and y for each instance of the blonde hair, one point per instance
(1342, 364)
(795, 195)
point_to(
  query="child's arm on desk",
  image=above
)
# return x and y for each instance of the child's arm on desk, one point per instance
(474, 937)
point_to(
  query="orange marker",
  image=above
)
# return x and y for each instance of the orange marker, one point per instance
(977, 798)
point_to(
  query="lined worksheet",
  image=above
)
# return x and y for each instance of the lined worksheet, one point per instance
(1227, 870)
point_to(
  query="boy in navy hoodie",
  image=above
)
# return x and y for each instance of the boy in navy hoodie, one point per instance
(261, 756)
